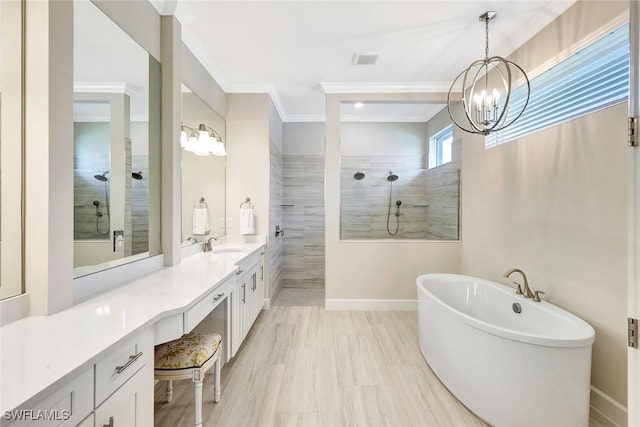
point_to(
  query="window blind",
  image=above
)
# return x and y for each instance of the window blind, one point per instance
(592, 79)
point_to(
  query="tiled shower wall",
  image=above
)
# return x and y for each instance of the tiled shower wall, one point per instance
(429, 199)
(303, 216)
(276, 244)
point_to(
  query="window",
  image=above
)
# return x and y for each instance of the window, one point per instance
(441, 147)
(594, 78)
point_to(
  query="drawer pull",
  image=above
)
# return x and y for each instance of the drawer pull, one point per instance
(217, 297)
(110, 423)
(239, 271)
(132, 359)
(244, 293)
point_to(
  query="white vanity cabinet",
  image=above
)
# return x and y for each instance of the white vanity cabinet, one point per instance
(247, 297)
(124, 384)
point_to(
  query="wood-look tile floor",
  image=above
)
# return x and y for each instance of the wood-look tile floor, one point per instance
(304, 366)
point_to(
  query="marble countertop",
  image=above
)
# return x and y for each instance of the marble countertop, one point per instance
(39, 352)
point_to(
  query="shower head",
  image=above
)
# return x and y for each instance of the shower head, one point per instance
(96, 203)
(136, 175)
(358, 176)
(392, 177)
(102, 177)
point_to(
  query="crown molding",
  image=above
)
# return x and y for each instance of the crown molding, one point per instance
(108, 87)
(382, 119)
(306, 118)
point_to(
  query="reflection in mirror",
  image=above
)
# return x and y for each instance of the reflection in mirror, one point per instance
(116, 145)
(400, 172)
(11, 118)
(203, 176)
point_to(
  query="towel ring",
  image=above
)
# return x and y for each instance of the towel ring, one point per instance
(248, 202)
(202, 202)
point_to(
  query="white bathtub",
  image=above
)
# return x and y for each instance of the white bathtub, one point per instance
(510, 369)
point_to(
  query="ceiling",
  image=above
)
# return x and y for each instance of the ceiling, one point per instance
(299, 50)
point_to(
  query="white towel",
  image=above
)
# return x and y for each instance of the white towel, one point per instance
(247, 225)
(200, 221)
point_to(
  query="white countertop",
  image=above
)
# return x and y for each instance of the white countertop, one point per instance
(38, 352)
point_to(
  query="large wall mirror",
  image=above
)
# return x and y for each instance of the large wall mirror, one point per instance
(400, 171)
(11, 120)
(203, 174)
(116, 145)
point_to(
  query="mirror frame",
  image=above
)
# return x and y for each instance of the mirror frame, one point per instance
(13, 119)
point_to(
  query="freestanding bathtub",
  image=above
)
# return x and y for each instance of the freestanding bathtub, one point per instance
(530, 368)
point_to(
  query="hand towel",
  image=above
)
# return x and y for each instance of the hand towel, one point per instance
(200, 221)
(247, 225)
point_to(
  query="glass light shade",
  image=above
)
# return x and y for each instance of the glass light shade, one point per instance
(183, 139)
(192, 143)
(219, 149)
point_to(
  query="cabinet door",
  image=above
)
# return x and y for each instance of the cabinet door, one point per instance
(238, 296)
(131, 405)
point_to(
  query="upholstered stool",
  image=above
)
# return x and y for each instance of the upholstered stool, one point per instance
(190, 356)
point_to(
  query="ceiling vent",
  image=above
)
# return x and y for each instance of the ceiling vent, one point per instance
(365, 58)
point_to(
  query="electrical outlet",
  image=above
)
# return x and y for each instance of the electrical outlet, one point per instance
(220, 222)
(229, 223)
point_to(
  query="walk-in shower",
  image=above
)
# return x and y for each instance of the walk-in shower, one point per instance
(102, 178)
(392, 178)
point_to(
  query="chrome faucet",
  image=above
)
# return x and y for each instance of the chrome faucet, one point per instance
(526, 292)
(207, 245)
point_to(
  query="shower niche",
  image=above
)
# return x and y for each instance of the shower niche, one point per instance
(387, 188)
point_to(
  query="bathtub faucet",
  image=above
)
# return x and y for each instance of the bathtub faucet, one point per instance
(527, 292)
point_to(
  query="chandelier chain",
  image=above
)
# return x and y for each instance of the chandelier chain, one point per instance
(486, 34)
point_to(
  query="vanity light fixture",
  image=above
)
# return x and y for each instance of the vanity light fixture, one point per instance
(487, 86)
(202, 141)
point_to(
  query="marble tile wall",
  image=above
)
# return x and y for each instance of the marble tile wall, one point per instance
(303, 199)
(429, 208)
(276, 244)
(140, 205)
(365, 202)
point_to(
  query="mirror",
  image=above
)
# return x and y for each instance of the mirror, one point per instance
(203, 177)
(400, 171)
(11, 119)
(116, 145)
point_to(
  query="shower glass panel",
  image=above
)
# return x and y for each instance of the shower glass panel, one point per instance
(386, 189)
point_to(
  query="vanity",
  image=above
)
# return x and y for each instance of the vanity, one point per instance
(92, 364)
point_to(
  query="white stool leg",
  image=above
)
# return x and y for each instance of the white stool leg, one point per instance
(198, 400)
(217, 390)
(169, 391)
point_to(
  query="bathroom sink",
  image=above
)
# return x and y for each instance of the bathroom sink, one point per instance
(226, 250)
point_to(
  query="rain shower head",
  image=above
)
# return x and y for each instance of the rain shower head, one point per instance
(102, 177)
(358, 176)
(392, 177)
(136, 175)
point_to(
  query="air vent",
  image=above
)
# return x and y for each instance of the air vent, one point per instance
(365, 58)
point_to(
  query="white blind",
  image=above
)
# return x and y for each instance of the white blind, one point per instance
(591, 79)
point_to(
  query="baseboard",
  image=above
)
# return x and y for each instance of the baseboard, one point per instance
(606, 410)
(371, 304)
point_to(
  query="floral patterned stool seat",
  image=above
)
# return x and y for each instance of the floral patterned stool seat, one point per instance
(190, 356)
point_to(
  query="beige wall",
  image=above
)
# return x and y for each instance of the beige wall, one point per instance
(373, 270)
(554, 204)
(248, 158)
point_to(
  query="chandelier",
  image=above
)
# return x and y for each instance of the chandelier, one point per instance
(486, 91)
(202, 141)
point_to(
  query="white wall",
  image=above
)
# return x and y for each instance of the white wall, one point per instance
(554, 204)
(304, 138)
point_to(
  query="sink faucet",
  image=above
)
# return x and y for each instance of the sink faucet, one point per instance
(527, 292)
(207, 245)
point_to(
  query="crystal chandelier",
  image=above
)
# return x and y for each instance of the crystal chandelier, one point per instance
(486, 91)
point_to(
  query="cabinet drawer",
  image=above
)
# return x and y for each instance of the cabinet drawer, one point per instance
(65, 407)
(249, 261)
(206, 305)
(122, 362)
